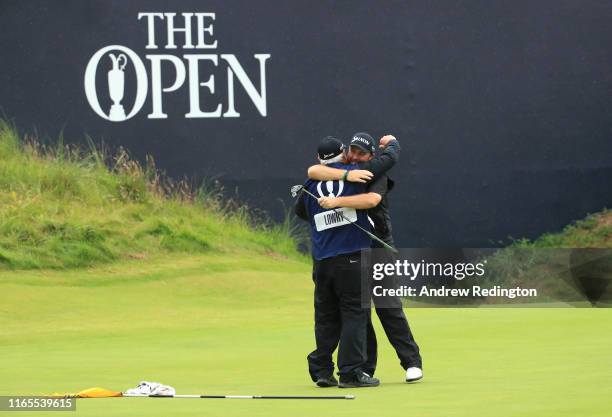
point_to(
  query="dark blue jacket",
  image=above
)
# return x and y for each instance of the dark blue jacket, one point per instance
(331, 234)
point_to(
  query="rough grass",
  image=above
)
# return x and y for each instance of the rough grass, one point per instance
(594, 231)
(550, 263)
(62, 207)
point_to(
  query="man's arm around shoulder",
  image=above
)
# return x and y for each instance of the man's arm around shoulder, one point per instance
(363, 201)
(321, 172)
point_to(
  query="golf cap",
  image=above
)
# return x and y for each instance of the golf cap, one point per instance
(363, 141)
(329, 148)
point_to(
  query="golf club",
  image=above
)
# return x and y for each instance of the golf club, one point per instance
(251, 397)
(295, 190)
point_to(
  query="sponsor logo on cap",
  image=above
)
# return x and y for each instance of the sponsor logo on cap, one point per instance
(360, 139)
(364, 141)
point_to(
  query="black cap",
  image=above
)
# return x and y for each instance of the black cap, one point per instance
(363, 141)
(329, 148)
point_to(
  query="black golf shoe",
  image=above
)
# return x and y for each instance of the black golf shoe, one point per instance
(358, 381)
(326, 381)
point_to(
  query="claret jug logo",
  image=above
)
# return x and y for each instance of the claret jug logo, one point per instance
(124, 67)
(329, 187)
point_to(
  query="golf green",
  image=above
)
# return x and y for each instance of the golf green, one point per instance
(243, 325)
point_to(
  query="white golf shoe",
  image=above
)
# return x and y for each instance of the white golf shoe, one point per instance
(414, 374)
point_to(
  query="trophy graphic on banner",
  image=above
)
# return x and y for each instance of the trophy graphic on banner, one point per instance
(116, 83)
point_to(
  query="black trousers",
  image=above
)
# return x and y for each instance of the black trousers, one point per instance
(395, 325)
(339, 317)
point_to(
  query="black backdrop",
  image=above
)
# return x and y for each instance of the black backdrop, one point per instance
(503, 109)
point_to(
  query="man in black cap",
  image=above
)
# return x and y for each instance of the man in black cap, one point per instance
(340, 319)
(394, 322)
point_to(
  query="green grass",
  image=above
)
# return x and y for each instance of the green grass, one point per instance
(62, 207)
(243, 325)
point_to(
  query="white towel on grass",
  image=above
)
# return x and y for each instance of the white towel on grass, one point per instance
(151, 388)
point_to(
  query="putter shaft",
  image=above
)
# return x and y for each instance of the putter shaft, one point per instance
(250, 397)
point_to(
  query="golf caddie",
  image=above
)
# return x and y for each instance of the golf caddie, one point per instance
(336, 246)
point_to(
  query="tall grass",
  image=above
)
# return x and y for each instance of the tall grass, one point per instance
(67, 207)
(594, 231)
